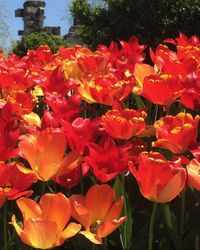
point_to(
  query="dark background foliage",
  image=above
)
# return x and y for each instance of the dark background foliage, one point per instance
(150, 20)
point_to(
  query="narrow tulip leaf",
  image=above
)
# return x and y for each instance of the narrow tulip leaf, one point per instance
(126, 227)
(171, 225)
(139, 101)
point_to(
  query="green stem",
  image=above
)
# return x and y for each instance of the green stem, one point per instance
(155, 205)
(5, 228)
(81, 180)
(50, 189)
(182, 223)
(125, 206)
(105, 243)
(43, 187)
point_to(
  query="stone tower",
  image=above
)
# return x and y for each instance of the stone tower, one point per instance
(33, 18)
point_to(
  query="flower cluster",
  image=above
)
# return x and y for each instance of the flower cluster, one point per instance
(79, 118)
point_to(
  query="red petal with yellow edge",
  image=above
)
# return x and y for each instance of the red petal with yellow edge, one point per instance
(115, 210)
(71, 230)
(57, 208)
(42, 233)
(79, 211)
(98, 201)
(109, 226)
(94, 238)
(29, 208)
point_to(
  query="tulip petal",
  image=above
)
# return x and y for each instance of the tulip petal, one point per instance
(79, 211)
(98, 201)
(70, 162)
(163, 143)
(29, 208)
(57, 208)
(109, 226)
(71, 230)
(94, 238)
(23, 235)
(173, 187)
(194, 174)
(115, 210)
(42, 233)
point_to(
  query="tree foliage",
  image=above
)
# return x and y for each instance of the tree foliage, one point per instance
(150, 20)
(34, 40)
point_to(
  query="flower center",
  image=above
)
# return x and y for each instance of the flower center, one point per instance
(6, 188)
(94, 227)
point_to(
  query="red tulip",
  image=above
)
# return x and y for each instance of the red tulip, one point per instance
(124, 124)
(159, 180)
(176, 133)
(13, 182)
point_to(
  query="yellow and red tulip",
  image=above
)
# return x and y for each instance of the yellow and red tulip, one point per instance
(176, 133)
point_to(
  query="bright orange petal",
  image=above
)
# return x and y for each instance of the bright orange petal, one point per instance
(47, 170)
(71, 230)
(115, 210)
(109, 226)
(57, 208)
(79, 211)
(28, 149)
(98, 201)
(23, 235)
(51, 144)
(42, 233)
(29, 208)
(141, 71)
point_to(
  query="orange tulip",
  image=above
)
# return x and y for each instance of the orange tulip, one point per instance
(45, 153)
(193, 169)
(124, 124)
(44, 223)
(159, 180)
(98, 212)
(176, 133)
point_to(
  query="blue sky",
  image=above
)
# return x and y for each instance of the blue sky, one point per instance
(56, 11)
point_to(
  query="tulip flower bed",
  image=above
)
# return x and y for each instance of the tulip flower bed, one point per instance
(100, 150)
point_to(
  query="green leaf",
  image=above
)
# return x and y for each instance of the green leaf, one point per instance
(139, 101)
(171, 225)
(126, 227)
